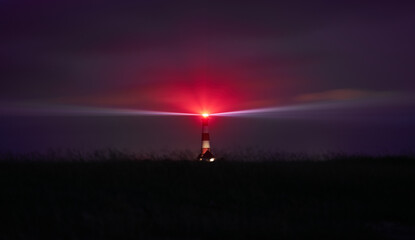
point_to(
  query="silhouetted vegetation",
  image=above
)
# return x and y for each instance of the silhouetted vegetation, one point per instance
(112, 195)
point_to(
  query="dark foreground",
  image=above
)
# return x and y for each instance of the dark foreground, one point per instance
(356, 198)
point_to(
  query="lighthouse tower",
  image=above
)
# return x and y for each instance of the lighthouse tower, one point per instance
(206, 154)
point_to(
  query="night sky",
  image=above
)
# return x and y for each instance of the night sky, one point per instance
(339, 75)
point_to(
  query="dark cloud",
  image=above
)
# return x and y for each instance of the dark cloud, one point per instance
(260, 53)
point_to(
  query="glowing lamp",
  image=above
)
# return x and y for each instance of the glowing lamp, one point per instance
(205, 115)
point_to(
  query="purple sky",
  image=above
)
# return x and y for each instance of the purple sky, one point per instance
(340, 74)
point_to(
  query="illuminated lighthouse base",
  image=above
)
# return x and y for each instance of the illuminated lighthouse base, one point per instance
(207, 157)
(206, 154)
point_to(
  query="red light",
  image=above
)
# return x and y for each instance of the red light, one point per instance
(205, 115)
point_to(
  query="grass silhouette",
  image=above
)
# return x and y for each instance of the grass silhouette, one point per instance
(111, 194)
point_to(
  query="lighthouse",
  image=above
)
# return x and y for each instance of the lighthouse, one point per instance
(206, 154)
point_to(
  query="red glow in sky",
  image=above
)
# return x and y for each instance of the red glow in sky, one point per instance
(191, 96)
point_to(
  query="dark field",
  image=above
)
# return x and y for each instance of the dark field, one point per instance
(119, 197)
